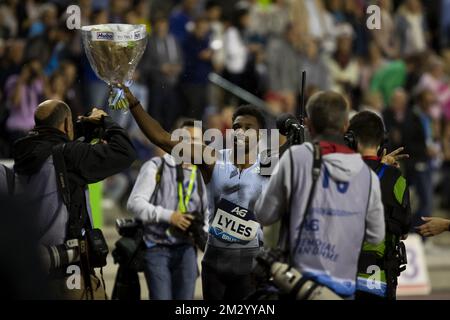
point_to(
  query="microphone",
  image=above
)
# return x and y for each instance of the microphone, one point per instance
(286, 122)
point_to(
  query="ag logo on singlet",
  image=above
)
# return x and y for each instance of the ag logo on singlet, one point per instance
(233, 224)
(240, 212)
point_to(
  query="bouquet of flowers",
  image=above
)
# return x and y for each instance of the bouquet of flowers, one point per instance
(114, 51)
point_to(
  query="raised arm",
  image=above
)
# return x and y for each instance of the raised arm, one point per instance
(160, 137)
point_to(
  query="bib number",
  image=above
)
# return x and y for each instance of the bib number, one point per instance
(233, 224)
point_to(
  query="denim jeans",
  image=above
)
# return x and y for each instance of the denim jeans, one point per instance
(171, 272)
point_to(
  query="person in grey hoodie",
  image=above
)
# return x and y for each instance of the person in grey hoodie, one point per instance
(346, 207)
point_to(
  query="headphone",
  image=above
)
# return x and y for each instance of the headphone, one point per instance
(351, 140)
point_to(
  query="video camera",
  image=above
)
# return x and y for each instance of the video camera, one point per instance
(128, 247)
(60, 256)
(195, 231)
(88, 131)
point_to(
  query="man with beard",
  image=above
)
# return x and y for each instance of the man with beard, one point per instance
(234, 183)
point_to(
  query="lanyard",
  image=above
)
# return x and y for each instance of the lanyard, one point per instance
(183, 200)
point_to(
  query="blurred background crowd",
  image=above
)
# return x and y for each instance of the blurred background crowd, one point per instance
(400, 71)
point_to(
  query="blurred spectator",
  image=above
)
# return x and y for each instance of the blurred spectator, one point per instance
(8, 22)
(435, 80)
(418, 141)
(240, 54)
(24, 92)
(162, 64)
(317, 73)
(396, 118)
(356, 17)
(49, 47)
(57, 87)
(279, 17)
(12, 60)
(386, 38)
(73, 92)
(445, 23)
(372, 101)
(399, 73)
(284, 63)
(118, 8)
(343, 66)
(268, 19)
(371, 65)
(411, 28)
(214, 14)
(236, 51)
(181, 20)
(312, 19)
(48, 18)
(336, 9)
(197, 66)
(142, 10)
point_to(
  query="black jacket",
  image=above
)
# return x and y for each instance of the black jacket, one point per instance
(412, 135)
(85, 163)
(414, 139)
(397, 213)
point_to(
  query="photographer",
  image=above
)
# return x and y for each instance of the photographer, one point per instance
(54, 172)
(368, 131)
(171, 201)
(327, 212)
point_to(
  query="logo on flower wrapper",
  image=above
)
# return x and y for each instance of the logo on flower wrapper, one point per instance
(137, 35)
(105, 36)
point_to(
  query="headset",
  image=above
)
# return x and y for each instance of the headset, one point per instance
(351, 140)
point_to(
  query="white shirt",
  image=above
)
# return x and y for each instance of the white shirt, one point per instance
(235, 51)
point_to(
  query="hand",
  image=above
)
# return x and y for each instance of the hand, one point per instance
(181, 220)
(206, 54)
(432, 151)
(394, 157)
(95, 116)
(25, 74)
(128, 94)
(433, 226)
(166, 68)
(175, 69)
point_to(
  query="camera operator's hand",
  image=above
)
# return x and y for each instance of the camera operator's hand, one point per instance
(181, 220)
(394, 157)
(95, 116)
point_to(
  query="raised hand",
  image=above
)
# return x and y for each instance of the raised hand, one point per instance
(394, 157)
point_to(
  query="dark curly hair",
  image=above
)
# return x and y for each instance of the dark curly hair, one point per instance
(250, 110)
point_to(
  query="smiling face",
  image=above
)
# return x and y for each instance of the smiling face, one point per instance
(245, 132)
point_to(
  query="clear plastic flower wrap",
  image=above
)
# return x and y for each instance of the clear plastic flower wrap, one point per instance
(114, 50)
